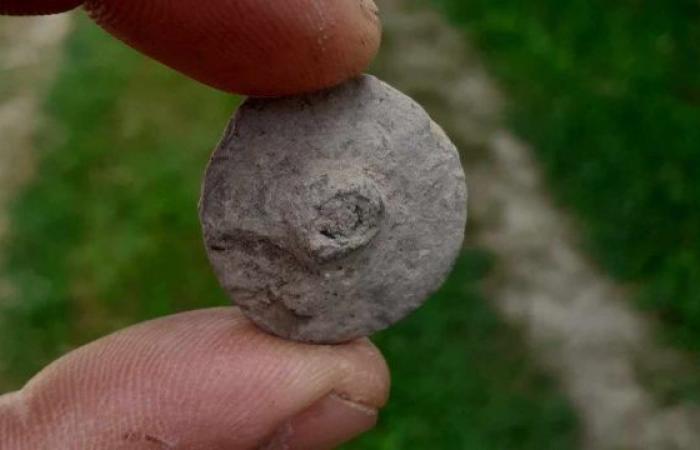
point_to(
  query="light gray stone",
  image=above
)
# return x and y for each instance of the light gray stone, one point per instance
(331, 216)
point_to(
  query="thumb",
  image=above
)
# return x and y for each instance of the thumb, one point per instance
(200, 380)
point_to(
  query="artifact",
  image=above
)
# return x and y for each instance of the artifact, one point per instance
(330, 216)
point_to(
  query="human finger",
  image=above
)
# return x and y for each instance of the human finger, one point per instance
(201, 380)
(252, 47)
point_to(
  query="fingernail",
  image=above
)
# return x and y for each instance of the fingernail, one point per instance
(325, 425)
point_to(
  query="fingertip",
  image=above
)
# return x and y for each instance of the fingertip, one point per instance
(206, 379)
(250, 47)
(367, 379)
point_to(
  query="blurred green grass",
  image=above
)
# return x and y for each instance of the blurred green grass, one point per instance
(609, 94)
(107, 235)
(107, 232)
(463, 379)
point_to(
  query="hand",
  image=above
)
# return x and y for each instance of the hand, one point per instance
(209, 379)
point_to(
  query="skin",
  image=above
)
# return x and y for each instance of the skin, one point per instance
(252, 47)
(209, 379)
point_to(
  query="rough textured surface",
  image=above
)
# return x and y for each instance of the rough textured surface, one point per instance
(331, 216)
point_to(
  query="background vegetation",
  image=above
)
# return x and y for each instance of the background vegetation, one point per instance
(608, 93)
(107, 235)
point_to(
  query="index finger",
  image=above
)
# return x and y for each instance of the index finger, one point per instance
(252, 47)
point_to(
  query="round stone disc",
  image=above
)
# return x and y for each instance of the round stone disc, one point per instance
(331, 216)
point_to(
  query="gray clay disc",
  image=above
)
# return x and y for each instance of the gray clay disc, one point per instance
(331, 216)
